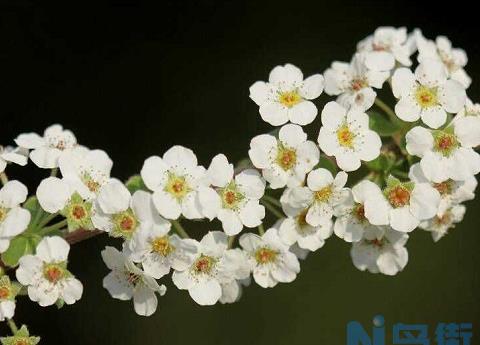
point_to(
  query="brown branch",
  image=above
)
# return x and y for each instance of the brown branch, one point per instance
(81, 235)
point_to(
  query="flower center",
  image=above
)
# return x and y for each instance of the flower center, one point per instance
(3, 213)
(359, 212)
(4, 293)
(358, 84)
(289, 98)
(445, 143)
(92, 185)
(426, 97)
(177, 186)
(445, 219)
(231, 197)
(78, 212)
(21, 342)
(324, 194)
(376, 243)
(265, 255)
(204, 264)
(54, 273)
(378, 47)
(345, 136)
(162, 246)
(125, 224)
(286, 157)
(132, 278)
(444, 188)
(398, 196)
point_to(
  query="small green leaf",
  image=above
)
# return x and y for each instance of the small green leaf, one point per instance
(380, 164)
(381, 124)
(60, 303)
(19, 246)
(328, 164)
(135, 183)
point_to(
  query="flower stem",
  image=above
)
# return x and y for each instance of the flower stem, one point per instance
(54, 227)
(261, 230)
(272, 209)
(13, 326)
(391, 114)
(54, 172)
(179, 229)
(47, 219)
(272, 200)
(3, 178)
(231, 240)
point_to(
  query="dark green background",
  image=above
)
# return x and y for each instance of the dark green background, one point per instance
(135, 80)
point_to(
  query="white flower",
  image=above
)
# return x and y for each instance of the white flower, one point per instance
(352, 83)
(447, 153)
(442, 222)
(235, 200)
(346, 135)
(402, 205)
(232, 289)
(9, 154)
(270, 259)
(49, 148)
(385, 47)
(295, 229)
(121, 214)
(286, 160)
(8, 291)
(286, 96)
(13, 219)
(351, 223)
(46, 275)
(127, 281)
(428, 94)
(381, 251)
(470, 109)
(454, 59)
(86, 171)
(176, 180)
(451, 192)
(158, 251)
(213, 266)
(322, 193)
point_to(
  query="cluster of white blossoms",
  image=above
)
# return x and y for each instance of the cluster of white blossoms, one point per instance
(410, 167)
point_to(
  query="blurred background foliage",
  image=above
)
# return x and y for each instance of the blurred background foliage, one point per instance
(135, 80)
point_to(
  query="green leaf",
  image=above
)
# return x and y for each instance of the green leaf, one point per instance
(135, 183)
(380, 164)
(328, 164)
(381, 124)
(19, 246)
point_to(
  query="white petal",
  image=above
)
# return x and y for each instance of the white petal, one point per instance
(431, 73)
(288, 73)
(72, 291)
(166, 205)
(46, 158)
(252, 214)
(260, 148)
(419, 141)
(333, 115)
(114, 197)
(292, 135)
(220, 171)
(30, 141)
(250, 183)
(303, 113)
(434, 117)
(53, 194)
(371, 146)
(117, 287)
(230, 222)
(348, 161)
(452, 96)
(319, 178)
(53, 249)
(403, 81)
(377, 210)
(274, 113)
(467, 130)
(210, 202)
(312, 87)
(15, 223)
(402, 220)
(13, 193)
(259, 92)
(144, 301)
(206, 292)
(433, 167)
(407, 110)
(424, 201)
(153, 171)
(379, 61)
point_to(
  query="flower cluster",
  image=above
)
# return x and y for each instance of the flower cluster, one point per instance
(414, 165)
